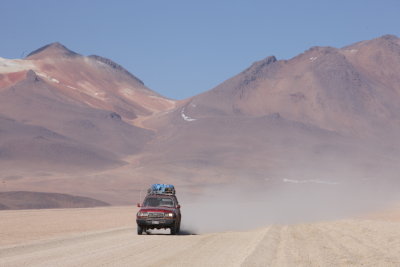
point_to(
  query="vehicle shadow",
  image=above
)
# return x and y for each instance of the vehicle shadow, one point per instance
(167, 233)
(186, 232)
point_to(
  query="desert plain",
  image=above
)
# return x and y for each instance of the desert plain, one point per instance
(106, 236)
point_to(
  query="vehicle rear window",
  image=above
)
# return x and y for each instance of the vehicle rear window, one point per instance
(158, 202)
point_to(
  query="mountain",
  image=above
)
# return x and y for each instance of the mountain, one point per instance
(85, 106)
(329, 117)
(96, 81)
(347, 90)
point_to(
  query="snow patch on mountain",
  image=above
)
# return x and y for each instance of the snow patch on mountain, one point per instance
(14, 65)
(44, 75)
(54, 80)
(185, 117)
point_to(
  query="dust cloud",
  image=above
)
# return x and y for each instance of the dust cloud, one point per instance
(249, 205)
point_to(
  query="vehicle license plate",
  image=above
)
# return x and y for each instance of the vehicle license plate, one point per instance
(155, 222)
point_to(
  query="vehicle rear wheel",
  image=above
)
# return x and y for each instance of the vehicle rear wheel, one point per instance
(139, 229)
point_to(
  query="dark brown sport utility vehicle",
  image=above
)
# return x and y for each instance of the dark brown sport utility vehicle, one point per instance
(159, 211)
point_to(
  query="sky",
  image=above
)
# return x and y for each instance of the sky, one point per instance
(181, 48)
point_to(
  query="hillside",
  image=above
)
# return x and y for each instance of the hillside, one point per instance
(86, 104)
(40, 200)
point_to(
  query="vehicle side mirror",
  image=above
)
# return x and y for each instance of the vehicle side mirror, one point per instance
(178, 206)
(138, 205)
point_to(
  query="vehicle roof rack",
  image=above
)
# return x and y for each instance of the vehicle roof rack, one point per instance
(161, 189)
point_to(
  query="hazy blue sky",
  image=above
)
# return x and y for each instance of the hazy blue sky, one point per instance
(182, 48)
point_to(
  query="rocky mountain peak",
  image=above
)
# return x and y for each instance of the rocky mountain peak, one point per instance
(258, 65)
(51, 50)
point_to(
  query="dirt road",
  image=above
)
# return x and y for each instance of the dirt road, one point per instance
(107, 237)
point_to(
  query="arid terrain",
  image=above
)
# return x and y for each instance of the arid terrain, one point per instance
(106, 236)
(291, 162)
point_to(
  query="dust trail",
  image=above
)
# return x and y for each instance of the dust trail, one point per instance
(244, 206)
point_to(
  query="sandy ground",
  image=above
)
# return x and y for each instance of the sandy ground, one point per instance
(107, 237)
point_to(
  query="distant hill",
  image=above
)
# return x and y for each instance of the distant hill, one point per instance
(39, 200)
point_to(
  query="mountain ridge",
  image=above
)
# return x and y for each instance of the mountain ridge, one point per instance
(114, 65)
(330, 114)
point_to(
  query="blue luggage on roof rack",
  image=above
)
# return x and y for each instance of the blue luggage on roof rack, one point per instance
(162, 189)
